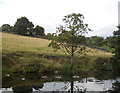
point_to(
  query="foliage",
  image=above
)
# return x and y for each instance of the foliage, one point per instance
(115, 40)
(115, 64)
(66, 67)
(104, 44)
(103, 64)
(39, 31)
(34, 67)
(117, 45)
(23, 26)
(111, 41)
(49, 36)
(96, 41)
(70, 37)
(7, 28)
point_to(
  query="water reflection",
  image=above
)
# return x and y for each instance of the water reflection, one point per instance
(22, 89)
(35, 83)
(116, 87)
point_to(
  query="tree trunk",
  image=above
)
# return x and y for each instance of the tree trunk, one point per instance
(72, 84)
(72, 59)
(72, 53)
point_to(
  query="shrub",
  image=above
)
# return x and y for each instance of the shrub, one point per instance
(103, 64)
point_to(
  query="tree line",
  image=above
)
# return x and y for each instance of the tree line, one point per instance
(24, 27)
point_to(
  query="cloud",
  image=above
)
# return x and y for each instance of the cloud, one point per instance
(104, 31)
(49, 13)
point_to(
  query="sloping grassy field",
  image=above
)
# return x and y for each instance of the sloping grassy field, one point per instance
(14, 43)
(22, 53)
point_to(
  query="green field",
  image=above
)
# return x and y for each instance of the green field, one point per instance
(14, 43)
(22, 53)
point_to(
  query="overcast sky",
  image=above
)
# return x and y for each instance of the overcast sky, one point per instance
(100, 15)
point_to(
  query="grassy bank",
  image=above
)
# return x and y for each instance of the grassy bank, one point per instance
(29, 54)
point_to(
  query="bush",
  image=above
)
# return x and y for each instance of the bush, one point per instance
(116, 64)
(34, 68)
(103, 64)
(66, 67)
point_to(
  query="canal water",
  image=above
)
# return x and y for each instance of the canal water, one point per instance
(98, 82)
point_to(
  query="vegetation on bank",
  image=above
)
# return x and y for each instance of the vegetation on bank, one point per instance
(28, 54)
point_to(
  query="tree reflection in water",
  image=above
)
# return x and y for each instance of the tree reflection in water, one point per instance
(69, 87)
(116, 88)
(23, 89)
(34, 83)
(65, 89)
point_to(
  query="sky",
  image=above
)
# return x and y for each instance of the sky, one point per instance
(100, 15)
(119, 13)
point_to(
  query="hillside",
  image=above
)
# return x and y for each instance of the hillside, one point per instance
(13, 43)
(29, 54)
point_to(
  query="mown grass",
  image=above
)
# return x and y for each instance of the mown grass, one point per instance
(22, 53)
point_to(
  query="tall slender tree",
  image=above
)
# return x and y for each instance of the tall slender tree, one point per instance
(70, 36)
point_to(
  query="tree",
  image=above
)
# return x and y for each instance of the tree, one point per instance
(39, 31)
(49, 36)
(96, 41)
(70, 37)
(23, 26)
(7, 28)
(111, 41)
(117, 44)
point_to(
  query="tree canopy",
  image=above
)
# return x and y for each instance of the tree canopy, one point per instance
(117, 44)
(39, 31)
(23, 26)
(6, 28)
(96, 41)
(70, 36)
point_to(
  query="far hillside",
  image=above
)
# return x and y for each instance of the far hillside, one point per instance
(15, 43)
(30, 54)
